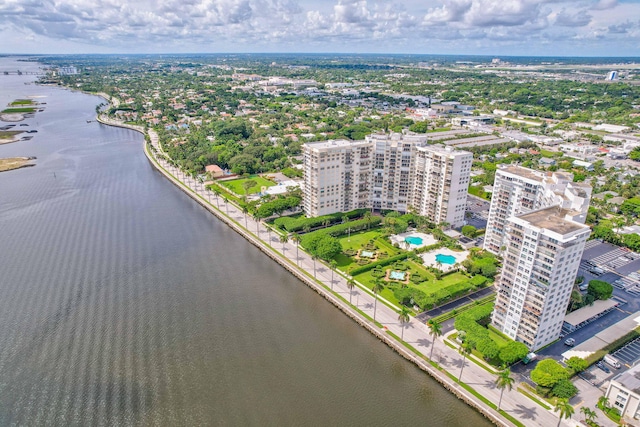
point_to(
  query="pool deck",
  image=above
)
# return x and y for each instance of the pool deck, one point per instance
(427, 240)
(429, 258)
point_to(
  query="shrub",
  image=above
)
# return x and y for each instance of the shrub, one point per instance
(548, 373)
(513, 352)
(564, 389)
(600, 290)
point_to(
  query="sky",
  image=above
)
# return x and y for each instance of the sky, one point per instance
(476, 27)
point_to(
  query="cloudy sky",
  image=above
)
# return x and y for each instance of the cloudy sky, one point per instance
(492, 27)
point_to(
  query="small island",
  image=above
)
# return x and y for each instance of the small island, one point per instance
(18, 110)
(11, 163)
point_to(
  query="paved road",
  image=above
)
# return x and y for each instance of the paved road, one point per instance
(415, 333)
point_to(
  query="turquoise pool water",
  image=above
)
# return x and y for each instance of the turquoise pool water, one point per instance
(367, 254)
(446, 259)
(397, 275)
(413, 240)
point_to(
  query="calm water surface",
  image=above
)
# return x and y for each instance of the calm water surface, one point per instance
(122, 302)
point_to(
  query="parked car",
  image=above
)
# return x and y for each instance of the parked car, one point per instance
(603, 367)
(570, 342)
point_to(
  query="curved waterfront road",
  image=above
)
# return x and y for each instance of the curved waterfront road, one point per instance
(416, 333)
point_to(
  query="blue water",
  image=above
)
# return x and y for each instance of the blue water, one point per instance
(446, 259)
(413, 240)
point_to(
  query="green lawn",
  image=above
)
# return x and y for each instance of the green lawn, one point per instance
(18, 102)
(18, 110)
(235, 185)
(429, 286)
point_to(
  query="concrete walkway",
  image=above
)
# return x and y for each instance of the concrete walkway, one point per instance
(416, 333)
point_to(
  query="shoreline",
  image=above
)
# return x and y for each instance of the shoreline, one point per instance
(14, 163)
(439, 374)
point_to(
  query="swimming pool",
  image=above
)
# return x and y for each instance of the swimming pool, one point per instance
(367, 254)
(413, 240)
(446, 259)
(397, 275)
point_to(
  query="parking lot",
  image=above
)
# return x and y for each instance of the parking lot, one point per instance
(629, 355)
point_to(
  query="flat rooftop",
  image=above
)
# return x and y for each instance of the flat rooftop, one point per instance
(334, 143)
(523, 172)
(630, 379)
(585, 313)
(553, 218)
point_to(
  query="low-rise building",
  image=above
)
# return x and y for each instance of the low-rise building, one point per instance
(624, 394)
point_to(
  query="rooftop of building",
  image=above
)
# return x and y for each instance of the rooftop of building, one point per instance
(438, 148)
(334, 143)
(554, 219)
(630, 379)
(522, 172)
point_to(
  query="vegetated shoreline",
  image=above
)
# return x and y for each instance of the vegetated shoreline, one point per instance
(439, 375)
(13, 163)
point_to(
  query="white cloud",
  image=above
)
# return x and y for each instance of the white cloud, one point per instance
(328, 25)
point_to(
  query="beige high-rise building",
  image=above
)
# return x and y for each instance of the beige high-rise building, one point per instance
(387, 171)
(542, 254)
(518, 190)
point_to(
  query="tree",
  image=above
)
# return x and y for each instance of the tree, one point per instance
(513, 352)
(504, 380)
(295, 238)
(403, 317)
(333, 264)
(325, 247)
(377, 288)
(465, 350)
(589, 414)
(435, 330)
(600, 290)
(245, 211)
(469, 230)
(284, 238)
(367, 217)
(564, 389)
(548, 372)
(603, 402)
(350, 285)
(314, 258)
(564, 409)
(577, 364)
(257, 217)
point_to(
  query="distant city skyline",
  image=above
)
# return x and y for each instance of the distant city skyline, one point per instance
(482, 27)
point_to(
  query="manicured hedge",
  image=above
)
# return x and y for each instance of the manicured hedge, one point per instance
(382, 263)
(298, 224)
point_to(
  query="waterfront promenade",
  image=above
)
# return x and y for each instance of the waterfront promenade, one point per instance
(333, 286)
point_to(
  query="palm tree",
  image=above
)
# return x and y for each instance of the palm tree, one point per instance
(314, 258)
(345, 219)
(589, 414)
(247, 185)
(403, 317)
(504, 380)
(603, 402)
(350, 285)
(377, 287)
(226, 204)
(367, 217)
(306, 228)
(284, 238)
(257, 217)
(295, 238)
(333, 263)
(217, 191)
(465, 350)
(326, 223)
(435, 330)
(245, 211)
(564, 409)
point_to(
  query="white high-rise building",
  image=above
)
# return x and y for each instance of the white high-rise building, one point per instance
(337, 176)
(517, 190)
(441, 183)
(387, 171)
(541, 259)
